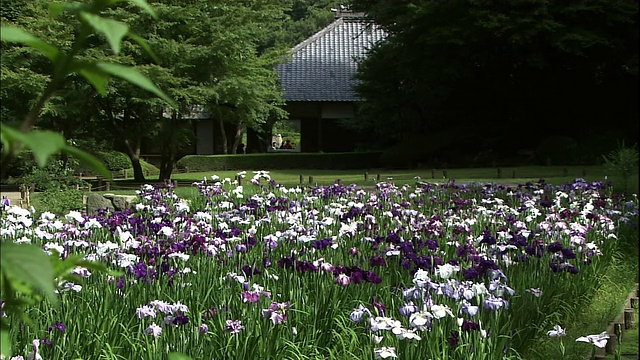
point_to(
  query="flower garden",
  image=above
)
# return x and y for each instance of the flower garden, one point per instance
(262, 271)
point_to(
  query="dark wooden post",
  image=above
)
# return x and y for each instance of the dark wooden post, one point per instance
(433, 173)
(377, 177)
(301, 179)
(444, 174)
(310, 179)
(499, 173)
(629, 319)
(366, 176)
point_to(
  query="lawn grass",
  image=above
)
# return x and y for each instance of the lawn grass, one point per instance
(556, 175)
(323, 177)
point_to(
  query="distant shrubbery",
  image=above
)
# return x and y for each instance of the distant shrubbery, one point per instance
(114, 160)
(58, 201)
(57, 175)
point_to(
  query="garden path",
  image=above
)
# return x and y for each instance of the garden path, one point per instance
(14, 197)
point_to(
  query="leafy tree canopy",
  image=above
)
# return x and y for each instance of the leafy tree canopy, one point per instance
(506, 71)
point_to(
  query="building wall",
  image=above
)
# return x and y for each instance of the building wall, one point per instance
(205, 133)
(337, 110)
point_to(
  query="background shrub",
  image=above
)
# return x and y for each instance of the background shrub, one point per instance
(114, 160)
(58, 201)
(57, 175)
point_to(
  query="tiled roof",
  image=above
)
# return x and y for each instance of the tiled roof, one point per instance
(322, 68)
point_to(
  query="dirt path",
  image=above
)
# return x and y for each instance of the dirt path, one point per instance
(14, 197)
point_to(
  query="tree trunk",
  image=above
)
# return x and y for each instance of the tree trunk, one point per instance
(166, 165)
(237, 138)
(225, 145)
(168, 150)
(134, 155)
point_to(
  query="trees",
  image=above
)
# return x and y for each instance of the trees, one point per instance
(220, 55)
(207, 55)
(495, 68)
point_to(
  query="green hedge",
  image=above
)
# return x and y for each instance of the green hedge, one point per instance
(272, 161)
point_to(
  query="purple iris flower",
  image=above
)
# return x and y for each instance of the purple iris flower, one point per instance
(233, 326)
(378, 305)
(58, 326)
(408, 309)
(180, 319)
(494, 303)
(468, 325)
(377, 261)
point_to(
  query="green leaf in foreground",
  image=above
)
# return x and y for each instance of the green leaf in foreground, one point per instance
(113, 30)
(43, 143)
(28, 264)
(98, 78)
(56, 9)
(17, 35)
(179, 356)
(134, 77)
(5, 343)
(141, 3)
(89, 160)
(144, 45)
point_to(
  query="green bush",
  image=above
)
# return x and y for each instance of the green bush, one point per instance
(272, 161)
(58, 201)
(114, 160)
(57, 175)
(622, 162)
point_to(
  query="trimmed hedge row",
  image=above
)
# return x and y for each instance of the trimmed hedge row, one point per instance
(267, 161)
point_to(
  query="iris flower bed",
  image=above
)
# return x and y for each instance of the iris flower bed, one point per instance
(262, 271)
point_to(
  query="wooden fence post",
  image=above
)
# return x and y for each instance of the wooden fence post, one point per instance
(310, 179)
(301, 179)
(629, 319)
(366, 176)
(499, 173)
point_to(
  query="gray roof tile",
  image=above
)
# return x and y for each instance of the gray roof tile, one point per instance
(322, 68)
